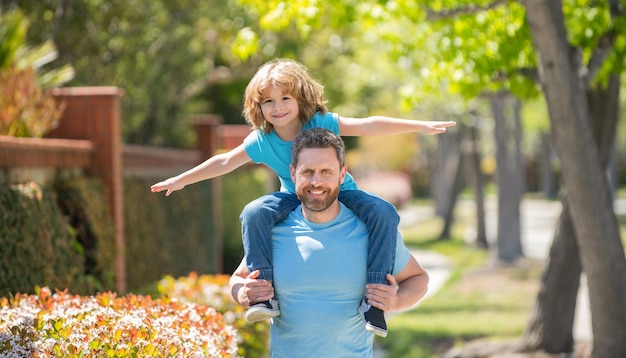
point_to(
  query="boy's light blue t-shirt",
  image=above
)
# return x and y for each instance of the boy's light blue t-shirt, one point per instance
(319, 278)
(269, 149)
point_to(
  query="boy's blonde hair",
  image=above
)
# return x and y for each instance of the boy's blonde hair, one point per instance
(293, 79)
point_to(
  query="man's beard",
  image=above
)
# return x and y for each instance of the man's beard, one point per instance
(318, 205)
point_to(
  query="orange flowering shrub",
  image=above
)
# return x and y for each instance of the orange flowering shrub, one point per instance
(214, 291)
(26, 110)
(63, 325)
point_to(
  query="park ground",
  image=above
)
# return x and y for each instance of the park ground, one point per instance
(538, 223)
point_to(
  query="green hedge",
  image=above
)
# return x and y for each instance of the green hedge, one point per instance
(38, 245)
(166, 235)
(63, 236)
(83, 203)
(238, 189)
(174, 235)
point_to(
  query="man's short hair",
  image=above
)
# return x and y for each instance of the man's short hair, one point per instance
(318, 138)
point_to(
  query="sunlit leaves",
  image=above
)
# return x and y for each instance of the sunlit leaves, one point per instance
(276, 15)
(245, 44)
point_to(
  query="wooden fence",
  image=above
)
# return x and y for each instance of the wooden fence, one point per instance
(88, 142)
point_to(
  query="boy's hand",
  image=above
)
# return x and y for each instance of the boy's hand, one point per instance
(438, 127)
(170, 185)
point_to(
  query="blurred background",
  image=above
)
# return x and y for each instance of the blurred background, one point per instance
(176, 63)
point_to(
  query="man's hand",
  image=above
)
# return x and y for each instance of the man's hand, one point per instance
(382, 296)
(252, 290)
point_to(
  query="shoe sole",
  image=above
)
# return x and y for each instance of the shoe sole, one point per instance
(370, 328)
(253, 315)
(377, 331)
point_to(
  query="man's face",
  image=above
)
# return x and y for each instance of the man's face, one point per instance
(318, 176)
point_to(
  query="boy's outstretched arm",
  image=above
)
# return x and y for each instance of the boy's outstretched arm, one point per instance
(381, 125)
(215, 166)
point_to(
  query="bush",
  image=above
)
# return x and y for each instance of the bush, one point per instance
(214, 291)
(83, 203)
(239, 188)
(38, 246)
(175, 235)
(62, 325)
(166, 235)
(25, 109)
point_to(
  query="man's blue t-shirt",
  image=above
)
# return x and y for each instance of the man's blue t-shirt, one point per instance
(269, 149)
(319, 280)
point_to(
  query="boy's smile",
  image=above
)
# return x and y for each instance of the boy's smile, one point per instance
(279, 108)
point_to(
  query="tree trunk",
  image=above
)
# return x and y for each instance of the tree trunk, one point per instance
(447, 157)
(510, 175)
(547, 183)
(471, 150)
(551, 322)
(455, 188)
(584, 181)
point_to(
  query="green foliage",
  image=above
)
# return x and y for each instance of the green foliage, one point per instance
(15, 51)
(25, 109)
(174, 235)
(13, 29)
(239, 188)
(166, 235)
(163, 53)
(38, 245)
(82, 201)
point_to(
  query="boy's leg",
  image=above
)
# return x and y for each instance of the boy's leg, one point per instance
(257, 219)
(381, 220)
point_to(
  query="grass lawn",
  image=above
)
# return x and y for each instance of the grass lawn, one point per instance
(481, 300)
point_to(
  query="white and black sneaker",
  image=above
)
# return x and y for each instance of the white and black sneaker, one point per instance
(373, 318)
(262, 311)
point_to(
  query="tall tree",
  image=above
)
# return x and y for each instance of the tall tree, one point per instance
(585, 184)
(561, 277)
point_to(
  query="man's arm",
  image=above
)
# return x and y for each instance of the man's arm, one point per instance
(403, 291)
(246, 289)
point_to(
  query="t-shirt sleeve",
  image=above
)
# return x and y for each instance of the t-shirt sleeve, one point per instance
(403, 255)
(326, 120)
(252, 144)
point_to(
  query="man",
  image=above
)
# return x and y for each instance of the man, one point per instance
(318, 251)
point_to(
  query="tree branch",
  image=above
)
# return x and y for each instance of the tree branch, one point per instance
(605, 44)
(599, 55)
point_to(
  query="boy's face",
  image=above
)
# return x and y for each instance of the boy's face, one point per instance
(279, 109)
(318, 177)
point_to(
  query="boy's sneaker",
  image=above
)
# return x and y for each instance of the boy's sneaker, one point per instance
(373, 318)
(262, 311)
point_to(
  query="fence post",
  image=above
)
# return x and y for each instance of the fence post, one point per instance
(93, 113)
(207, 141)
